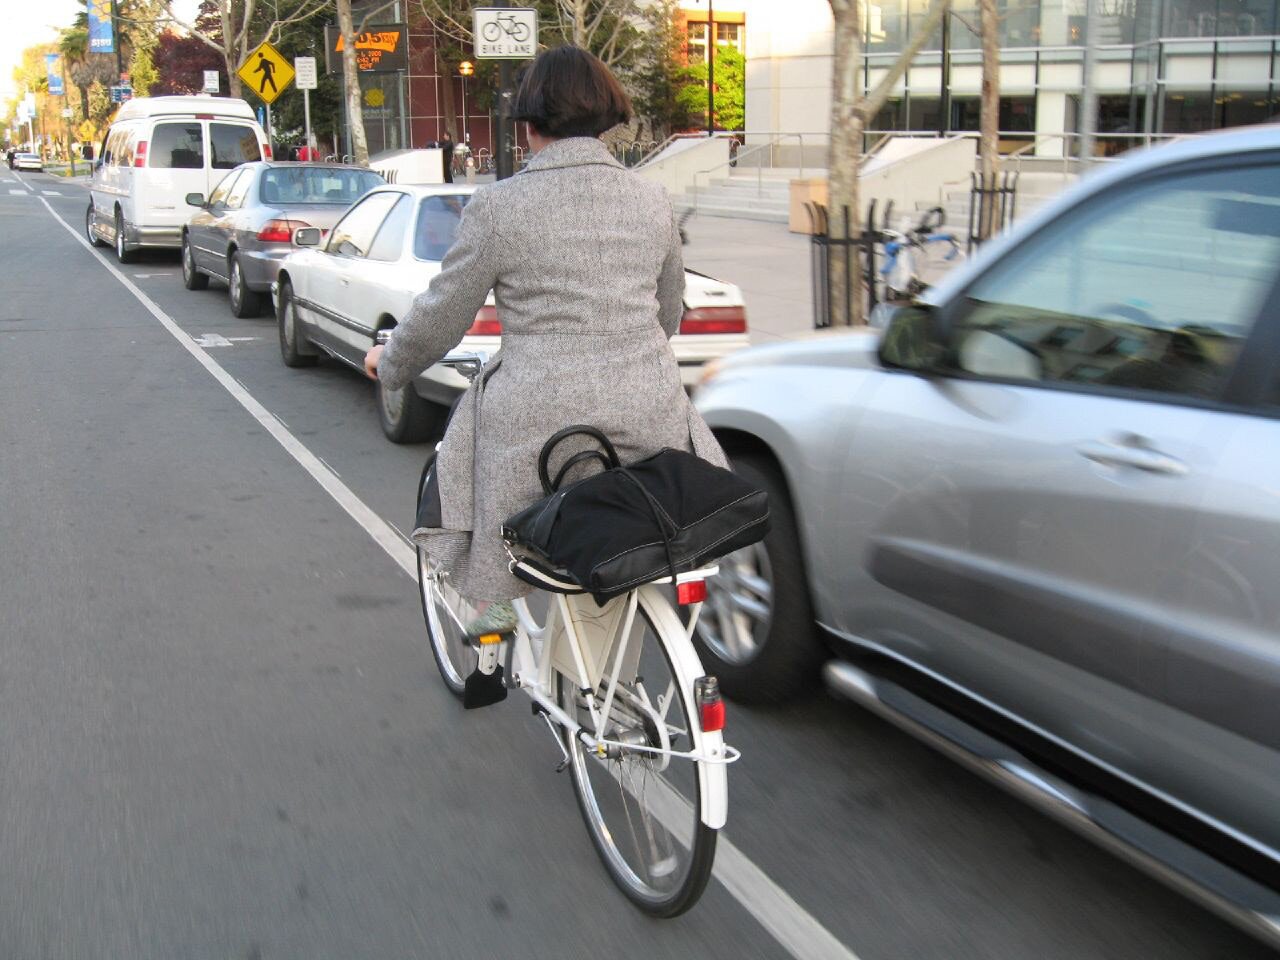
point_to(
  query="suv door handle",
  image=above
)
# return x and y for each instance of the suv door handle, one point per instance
(1132, 451)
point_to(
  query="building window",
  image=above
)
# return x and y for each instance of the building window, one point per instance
(727, 35)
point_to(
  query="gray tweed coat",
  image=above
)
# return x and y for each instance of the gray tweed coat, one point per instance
(584, 260)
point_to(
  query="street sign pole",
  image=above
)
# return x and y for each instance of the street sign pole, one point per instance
(273, 152)
(505, 33)
(506, 126)
(305, 77)
(306, 119)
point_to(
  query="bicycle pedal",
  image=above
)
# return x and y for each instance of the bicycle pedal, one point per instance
(482, 689)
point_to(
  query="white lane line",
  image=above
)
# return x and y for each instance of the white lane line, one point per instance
(18, 193)
(377, 528)
(23, 182)
(51, 193)
(797, 930)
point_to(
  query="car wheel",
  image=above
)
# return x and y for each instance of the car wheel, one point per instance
(94, 239)
(756, 632)
(293, 342)
(245, 303)
(192, 278)
(123, 253)
(406, 417)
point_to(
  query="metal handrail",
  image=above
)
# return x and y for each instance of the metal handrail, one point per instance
(735, 160)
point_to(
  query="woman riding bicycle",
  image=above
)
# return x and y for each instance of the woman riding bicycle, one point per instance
(585, 263)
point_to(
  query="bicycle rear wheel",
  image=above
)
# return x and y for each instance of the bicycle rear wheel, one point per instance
(446, 614)
(643, 809)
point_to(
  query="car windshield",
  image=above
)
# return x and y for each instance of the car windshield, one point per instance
(317, 185)
(438, 225)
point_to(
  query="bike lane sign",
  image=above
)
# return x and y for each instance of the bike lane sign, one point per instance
(266, 72)
(505, 33)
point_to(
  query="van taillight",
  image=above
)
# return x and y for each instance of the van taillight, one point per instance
(486, 324)
(714, 320)
(279, 231)
(140, 154)
(266, 151)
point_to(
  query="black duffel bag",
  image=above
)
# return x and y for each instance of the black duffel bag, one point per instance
(666, 514)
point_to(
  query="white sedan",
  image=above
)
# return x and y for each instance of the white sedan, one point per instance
(28, 161)
(334, 294)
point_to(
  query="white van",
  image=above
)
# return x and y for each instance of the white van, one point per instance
(158, 150)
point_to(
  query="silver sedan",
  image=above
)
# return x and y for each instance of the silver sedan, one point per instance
(245, 228)
(1038, 519)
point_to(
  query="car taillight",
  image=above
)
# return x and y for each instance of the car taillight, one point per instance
(140, 154)
(279, 231)
(266, 151)
(486, 324)
(714, 320)
(706, 693)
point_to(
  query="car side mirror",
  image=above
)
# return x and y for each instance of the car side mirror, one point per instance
(307, 237)
(914, 339)
(195, 199)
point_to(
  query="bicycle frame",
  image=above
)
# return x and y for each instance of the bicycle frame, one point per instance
(532, 670)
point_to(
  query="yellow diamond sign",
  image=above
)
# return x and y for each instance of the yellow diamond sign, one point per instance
(266, 72)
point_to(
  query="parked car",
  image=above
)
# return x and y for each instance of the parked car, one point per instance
(28, 161)
(158, 150)
(244, 229)
(334, 298)
(1037, 517)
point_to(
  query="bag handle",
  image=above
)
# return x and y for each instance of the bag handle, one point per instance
(609, 458)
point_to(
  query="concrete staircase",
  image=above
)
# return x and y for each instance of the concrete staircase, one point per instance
(746, 194)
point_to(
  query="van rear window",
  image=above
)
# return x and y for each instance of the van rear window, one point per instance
(232, 145)
(177, 146)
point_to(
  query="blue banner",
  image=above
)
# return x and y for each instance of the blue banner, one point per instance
(101, 37)
(54, 72)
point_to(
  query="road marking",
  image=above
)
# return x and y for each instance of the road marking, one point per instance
(242, 339)
(211, 340)
(20, 193)
(23, 182)
(51, 193)
(797, 930)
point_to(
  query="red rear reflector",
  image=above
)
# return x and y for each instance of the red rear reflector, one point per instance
(140, 154)
(695, 591)
(486, 324)
(204, 116)
(280, 231)
(266, 150)
(706, 692)
(714, 320)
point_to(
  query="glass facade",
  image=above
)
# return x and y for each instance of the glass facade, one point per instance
(1166, 66)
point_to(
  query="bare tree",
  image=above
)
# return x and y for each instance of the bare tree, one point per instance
(989, 123)
(605, 27)
(351, 74)
(236, 34)
(851, 111)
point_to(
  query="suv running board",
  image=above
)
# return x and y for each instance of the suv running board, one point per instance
(1233, 896)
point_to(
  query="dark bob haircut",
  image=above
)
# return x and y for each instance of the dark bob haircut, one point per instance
(568, 92)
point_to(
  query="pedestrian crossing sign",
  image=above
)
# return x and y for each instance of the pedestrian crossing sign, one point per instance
(266, 72)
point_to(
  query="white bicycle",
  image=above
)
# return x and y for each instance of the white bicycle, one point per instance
(622, 691)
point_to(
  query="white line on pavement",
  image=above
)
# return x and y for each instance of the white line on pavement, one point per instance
(51, 193)
(20, 193)
(23, 182)
(797, 930)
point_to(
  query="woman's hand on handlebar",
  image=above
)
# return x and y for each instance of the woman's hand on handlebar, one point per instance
(371, 361)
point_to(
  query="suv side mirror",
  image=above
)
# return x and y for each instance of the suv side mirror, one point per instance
(307, 237)
(914, 340)
(195, 199)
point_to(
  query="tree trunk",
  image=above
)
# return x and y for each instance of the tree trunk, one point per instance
(989, 142)
(446, 98)
(233, 78)
(846, 150)
(580, 24)
(351, 84)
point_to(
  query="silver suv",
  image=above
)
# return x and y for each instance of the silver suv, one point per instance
(1038, 517)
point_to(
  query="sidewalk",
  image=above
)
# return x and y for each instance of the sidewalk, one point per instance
(769, 263)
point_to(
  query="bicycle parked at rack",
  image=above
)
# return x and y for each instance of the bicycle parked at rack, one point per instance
(621, 689)
(903, 251)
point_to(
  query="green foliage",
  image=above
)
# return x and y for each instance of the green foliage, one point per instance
(657, 75)
(730, 89)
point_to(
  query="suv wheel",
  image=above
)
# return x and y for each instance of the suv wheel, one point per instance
(123, 252)
(756, 631)
(88, 228)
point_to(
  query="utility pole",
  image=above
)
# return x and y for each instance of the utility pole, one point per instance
(115, 39)
(944, 95)
(711, 68)
(506, 126)
(1089, 102)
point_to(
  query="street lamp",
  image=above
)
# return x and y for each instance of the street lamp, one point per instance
(465, 69)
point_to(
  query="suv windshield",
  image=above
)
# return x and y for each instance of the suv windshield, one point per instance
(438, 225)
(317, 185)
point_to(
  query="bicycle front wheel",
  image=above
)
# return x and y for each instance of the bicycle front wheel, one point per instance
(446, 614)
(643, 807)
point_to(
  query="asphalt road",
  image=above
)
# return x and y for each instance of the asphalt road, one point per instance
(222, 734)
